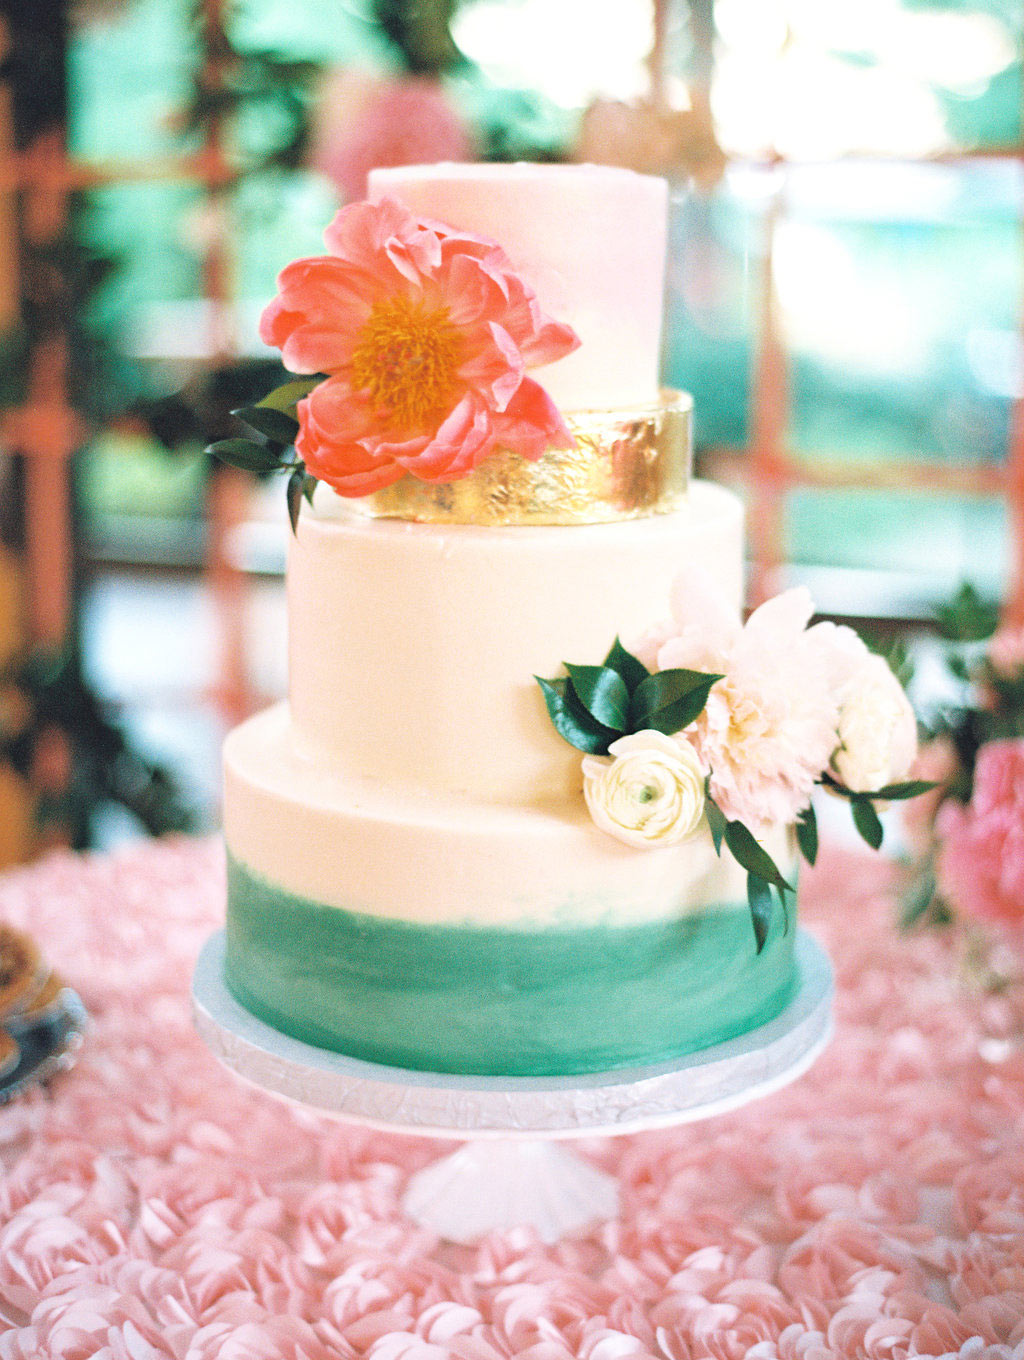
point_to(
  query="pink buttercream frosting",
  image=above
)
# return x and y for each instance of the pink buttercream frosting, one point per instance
(153, 1208)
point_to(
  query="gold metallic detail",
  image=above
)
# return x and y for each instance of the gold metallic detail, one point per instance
(626, 465)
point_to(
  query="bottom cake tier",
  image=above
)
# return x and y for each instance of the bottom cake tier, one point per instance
(466, 938)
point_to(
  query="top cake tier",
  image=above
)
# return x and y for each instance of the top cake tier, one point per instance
(591, 241)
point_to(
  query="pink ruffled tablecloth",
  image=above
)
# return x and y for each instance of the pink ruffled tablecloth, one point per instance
(152, 1206)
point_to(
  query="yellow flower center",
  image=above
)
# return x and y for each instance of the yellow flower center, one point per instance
(406, 361)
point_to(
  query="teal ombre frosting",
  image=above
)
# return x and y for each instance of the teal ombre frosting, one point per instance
(508, 1002)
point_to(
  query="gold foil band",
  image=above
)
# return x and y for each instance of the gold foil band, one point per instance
(626, 465)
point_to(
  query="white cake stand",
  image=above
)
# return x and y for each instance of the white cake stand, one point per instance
(510, 1170)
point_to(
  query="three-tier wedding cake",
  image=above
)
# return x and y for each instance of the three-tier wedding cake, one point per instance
(522, 812)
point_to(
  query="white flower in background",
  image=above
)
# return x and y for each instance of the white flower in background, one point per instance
(877, 729)
(650, 792)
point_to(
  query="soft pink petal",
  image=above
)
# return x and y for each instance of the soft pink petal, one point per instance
(464, 438)
(363, 233)
(531, 423)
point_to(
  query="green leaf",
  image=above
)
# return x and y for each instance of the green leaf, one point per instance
(717, 820)
(571, 719)
(968, 617)
(602, 692)
(295, 488)
(309, 485)
(245, 453)
(911, 789)
(784, 904)
(918, 900)
(632, 670)
(749, 854)
(807, 834)
(670, 700)
(268, 421)
(285, 397)
(759, 899)
(865, 819)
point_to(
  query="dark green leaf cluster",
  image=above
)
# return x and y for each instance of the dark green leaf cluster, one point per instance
(266, 97)
(967, 617)
(922, 904)
(762, 872)
(274, 424)
(106, 765)
(592, 706)
(421, 34)
(965, 622)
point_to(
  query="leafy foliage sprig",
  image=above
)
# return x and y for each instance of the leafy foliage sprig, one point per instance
(274, 422)
(593, 706)
(990, 708)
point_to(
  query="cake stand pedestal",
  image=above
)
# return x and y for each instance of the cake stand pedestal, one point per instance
(511, 1170)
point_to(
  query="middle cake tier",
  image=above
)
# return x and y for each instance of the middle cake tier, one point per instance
(413, 647)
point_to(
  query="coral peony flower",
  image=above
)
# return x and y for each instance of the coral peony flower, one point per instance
(981, 863)
(768, 729)
(364, 120)
(650, 793)
(426, 335)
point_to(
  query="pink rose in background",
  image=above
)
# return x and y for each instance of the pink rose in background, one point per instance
(364, 120)
(981, 863)
(1006, 652)
(426, 335)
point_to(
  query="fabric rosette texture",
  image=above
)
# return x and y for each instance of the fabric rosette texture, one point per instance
(425, 335)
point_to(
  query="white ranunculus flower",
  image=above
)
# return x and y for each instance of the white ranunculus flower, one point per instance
(877, 729)
(650, 792)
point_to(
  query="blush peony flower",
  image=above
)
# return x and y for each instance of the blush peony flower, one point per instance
(768, 729)
(425, 335)
(981, 863)
(877, 729)
(650, 793)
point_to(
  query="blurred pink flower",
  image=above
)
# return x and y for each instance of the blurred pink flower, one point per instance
(364, 120)
(1006, 652)
(426, 335)
(937, 762)
(981, 863)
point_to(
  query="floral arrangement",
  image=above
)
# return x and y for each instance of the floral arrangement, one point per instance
(418, 338)
(969, 834)
(713, 726)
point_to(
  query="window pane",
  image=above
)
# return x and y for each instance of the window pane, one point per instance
(899, 291)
